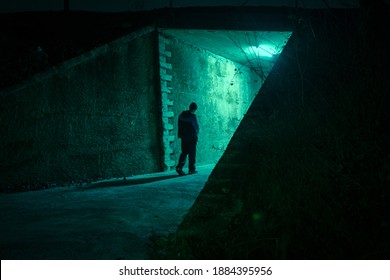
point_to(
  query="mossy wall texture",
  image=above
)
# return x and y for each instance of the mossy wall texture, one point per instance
(94, 117)
(222, 89)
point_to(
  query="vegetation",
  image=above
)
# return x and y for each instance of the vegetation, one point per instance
(307, 174)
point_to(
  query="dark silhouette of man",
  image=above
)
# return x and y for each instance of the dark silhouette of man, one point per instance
(188, 130)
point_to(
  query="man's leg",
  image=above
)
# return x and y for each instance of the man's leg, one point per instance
(183, 157)
(192, 157)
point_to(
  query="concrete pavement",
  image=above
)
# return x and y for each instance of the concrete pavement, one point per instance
(111, 219)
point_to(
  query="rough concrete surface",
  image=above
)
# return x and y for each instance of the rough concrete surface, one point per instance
(223, 90)
(84, 119)
(111, 219)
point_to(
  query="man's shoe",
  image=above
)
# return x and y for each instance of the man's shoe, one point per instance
(192, 172)
(180, 171)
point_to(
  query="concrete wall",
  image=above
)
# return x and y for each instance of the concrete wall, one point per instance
(95, 116)
(222, 89)
(113, 111)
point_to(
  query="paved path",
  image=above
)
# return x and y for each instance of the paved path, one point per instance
(111, 219)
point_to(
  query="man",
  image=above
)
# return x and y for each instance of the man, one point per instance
(188, 130)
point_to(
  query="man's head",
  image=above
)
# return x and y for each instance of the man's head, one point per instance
(193, 107)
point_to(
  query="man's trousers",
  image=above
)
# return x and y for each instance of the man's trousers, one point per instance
(188, 147)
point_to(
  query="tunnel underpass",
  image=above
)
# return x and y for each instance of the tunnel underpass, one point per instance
(222, 71)
(304, 176)
(112, 112)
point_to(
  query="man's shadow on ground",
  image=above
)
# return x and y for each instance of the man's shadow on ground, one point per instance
(128, 182)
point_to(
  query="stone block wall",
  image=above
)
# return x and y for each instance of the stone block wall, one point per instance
(95, 116)
(165, 67)
(223, 90)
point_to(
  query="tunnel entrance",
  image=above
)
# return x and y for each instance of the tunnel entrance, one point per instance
(222, 71)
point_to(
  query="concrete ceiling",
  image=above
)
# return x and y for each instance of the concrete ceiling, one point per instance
(239, 46)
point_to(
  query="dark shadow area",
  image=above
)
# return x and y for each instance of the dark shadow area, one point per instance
(29, 45)
(129, 182)
(306, 175)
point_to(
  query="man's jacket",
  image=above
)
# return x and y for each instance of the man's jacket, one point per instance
(188, 126)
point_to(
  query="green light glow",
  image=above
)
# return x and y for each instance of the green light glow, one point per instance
(263, 50)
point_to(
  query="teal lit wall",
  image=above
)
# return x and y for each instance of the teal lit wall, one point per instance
(222, 89)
